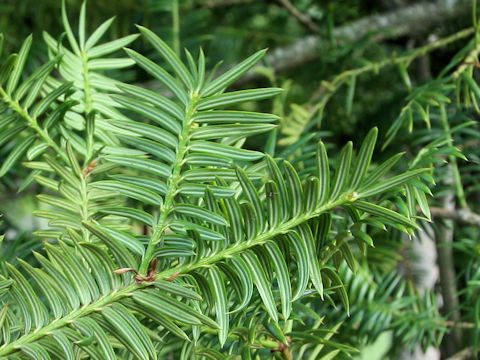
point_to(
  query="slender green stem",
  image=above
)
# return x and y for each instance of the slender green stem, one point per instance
(88, 108)
(176, 27)
(453, 324)
(327, 89)
(475, 21)
(44, 135)
(470, 59)
(462, 200)
(68, 319)
(84, 206)
(259, 240)
(128, 290)
(172, 184)
(32, 122)
(86, 85)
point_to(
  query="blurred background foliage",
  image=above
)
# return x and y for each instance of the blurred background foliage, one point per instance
(231, 29)
(313, 107)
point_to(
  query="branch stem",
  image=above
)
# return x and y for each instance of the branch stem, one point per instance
(445, 238)
(463, 216)
(453, 160)
(32, 122)
(176, 27)
(172, 184)
(303, 19)
(68, 319)
(128, 290)
(327, 89)
(86, 84)
(408, 20)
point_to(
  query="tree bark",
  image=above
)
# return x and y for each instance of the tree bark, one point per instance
(448, 282)
(409, 20)
(463, 216)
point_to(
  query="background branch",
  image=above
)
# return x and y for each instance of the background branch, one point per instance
(448, 285)
(326, 89)
(464, 216)
(303, 19)
(405, 21)
(465, 354)
(222, 3)
(409, 20)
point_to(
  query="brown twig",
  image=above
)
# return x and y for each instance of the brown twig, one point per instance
(302, 18)
(151, 276)
(283, 348)
(90, 168)
(173, 277)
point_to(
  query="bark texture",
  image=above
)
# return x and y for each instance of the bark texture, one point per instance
(410, 20)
